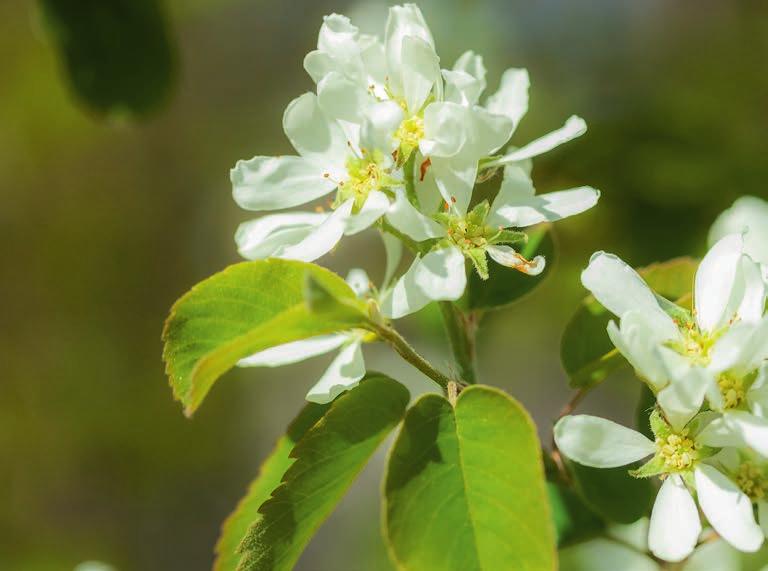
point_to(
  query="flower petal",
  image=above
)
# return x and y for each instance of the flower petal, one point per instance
(393, 248)
(742, 348)
(713, 554)
(683, 397)
(507, 256)
(380, 121)
(314, 134)
(420, 71)
(270, 183)
(402, 21)
(344, 373)
(600, 443)
(748, 214)
(323, 238)
(511, 99)
(341, 98)
(269, 235)
(718, 433)
(375, 206)
(517, 206)
(294, 352)
(440, 275)
(617, 286)
(727, 508)
(446, 129)
(466, 81)
(574, 127)
(338, 37)
(604, 555)
(455, 179)
(675, 524)
(752, 430)
(359, 281)
(715, 282)
(408, 220)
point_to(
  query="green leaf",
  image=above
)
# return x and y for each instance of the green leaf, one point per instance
(270, 475)
(117, 53)
(586, 351)
(645, 405)
(465, 487)
(244, 309)
(507, 285)
(613, 492)
(328, 458)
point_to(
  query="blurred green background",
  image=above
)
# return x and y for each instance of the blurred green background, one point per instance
(106, 218)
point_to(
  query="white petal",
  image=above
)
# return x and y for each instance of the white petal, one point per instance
(617, 286)
(314, 134)
(604, 555)
(634, 534)
(322, 239)
(466, 81)
(748, 214)
(455, 179)
(715, 281)
(507, 256)
(511, 100)
(574, 127)
(751, 429)
(600, 443)
(381, 120)
(294, 352)
(728, 509)
(270, 183)
(408, 220)
(440, 275)
(359, 281)
(446, 129)
(393, 248)
(675, 524)
(757, 396)
(338, 37)
(719, 433)
(683, 397)
(427, 190)
(341, 98)
(741, 349)
(344, 373)
(420, 70)
(749, 300)
(402, 21)
(318, 64)
(517, 206)
(375, 206)
(489, 132)
(713, 554)
(269, 235)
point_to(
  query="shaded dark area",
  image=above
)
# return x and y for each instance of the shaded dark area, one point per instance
(104, 223)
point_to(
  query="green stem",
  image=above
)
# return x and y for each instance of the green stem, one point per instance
(462, 329)
(408, 353)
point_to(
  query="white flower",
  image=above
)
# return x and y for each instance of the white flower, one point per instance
(486, 230)
(359, 170)
(344, 372)
(749, 215)
(713, 353)
(682, 460)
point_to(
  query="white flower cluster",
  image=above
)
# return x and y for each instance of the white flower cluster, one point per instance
(708, 369)
(400, 143)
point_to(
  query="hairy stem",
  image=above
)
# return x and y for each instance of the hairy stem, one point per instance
(462, 329)
(404, 349)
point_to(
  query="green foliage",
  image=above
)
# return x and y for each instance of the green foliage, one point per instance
(573, 520)
(244, 309)
(465, 487)
(645, 405)
(327, 460)
(586, 351)
(270, 475)
(613, 492)
(506, 285)
(117, 53)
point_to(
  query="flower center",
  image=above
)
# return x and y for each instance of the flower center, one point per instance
(410, 132)
(732, 389)
(752, 481)
(466, 235)
(364, 176)
(678, 451)
(696, 344)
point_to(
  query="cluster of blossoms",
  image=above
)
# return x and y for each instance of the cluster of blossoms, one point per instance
(400, 143)
(708, 369)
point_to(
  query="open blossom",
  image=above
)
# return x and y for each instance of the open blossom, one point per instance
(714, 353)
(486, 231)
(395, 137)
(686, 462)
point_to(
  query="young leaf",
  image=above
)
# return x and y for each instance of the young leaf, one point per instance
(244, 309)
(465, 487)
(117, 53)
(613, 492)
(506, 285)
(328, 458)
(270, 474)
(587, 353)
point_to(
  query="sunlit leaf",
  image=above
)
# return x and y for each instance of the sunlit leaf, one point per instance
(270, 475)
(244, 309)
(327, 460)
(465, 487)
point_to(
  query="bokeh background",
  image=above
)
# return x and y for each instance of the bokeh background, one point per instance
(107, 216)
